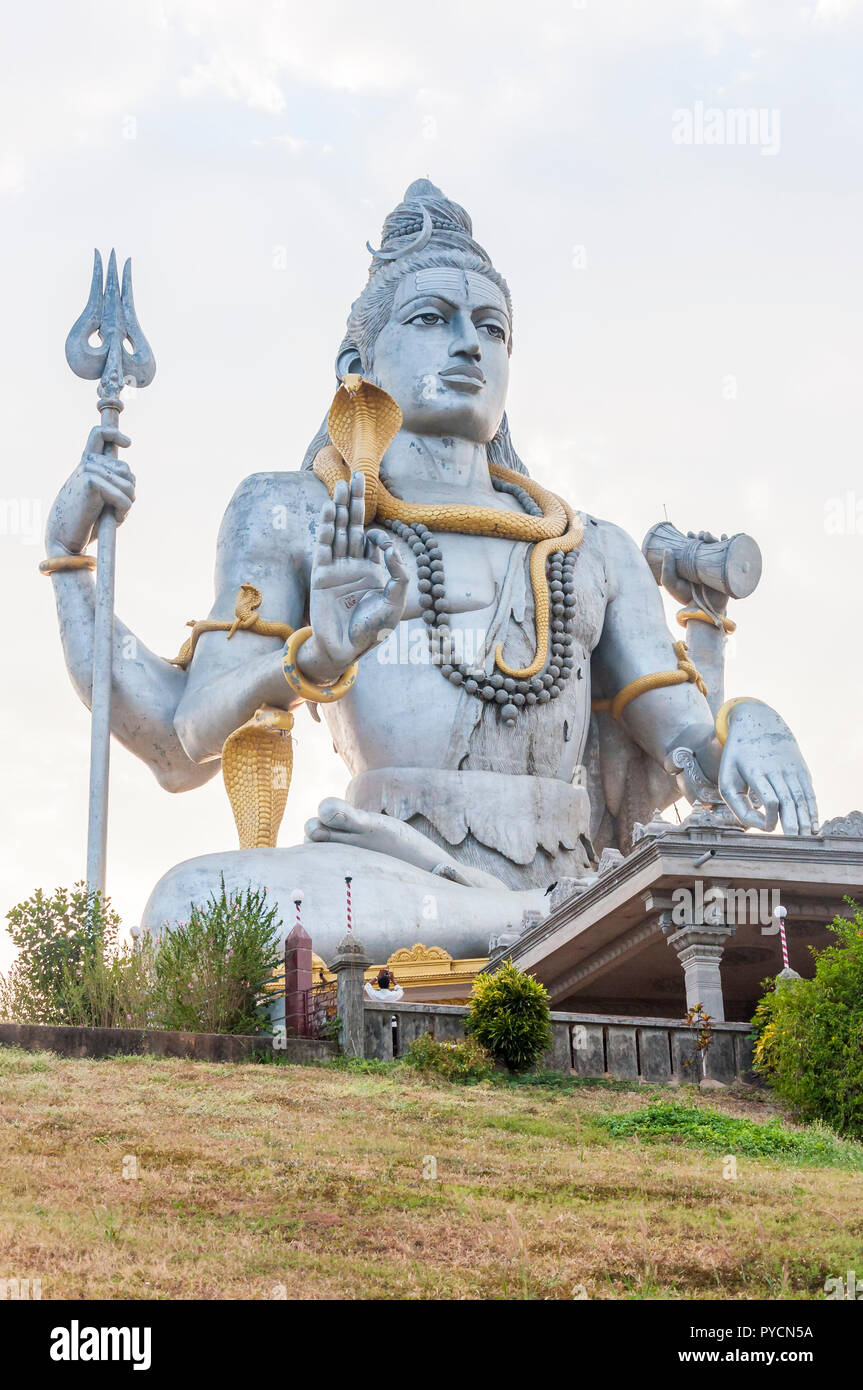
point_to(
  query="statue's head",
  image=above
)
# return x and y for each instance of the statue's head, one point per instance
(433, 325)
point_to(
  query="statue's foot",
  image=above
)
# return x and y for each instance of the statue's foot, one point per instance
(337, 822)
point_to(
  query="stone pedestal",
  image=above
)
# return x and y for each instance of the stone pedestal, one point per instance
(298, 981)
(349, 965)
(699, 948)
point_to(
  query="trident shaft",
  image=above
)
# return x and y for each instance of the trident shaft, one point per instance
(110, 312)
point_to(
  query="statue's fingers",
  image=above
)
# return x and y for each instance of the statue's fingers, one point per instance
(801, 804)
(326, 531)
(811, 801)
(396, 591)
(340, 538)
(731, 787)
(787, 809)
(769, 801)
(377, 541)
(96, 469)
(113, 497)
(356, 523)
(101, 435)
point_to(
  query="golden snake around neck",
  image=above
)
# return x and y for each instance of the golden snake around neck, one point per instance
(363, 422)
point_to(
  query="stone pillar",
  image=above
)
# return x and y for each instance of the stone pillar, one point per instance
(348, 965)
(298, 981)
(699, 948)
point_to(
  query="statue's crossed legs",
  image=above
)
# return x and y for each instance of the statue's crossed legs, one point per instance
(405, 888)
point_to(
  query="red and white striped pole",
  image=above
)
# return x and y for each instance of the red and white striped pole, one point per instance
(780, 914)
(297, 896)
(348, 902)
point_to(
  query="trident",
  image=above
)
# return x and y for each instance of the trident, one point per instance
(109, 312)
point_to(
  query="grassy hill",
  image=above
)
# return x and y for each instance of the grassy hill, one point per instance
(277, 1181)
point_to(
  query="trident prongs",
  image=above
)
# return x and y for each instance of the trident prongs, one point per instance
(109, 312)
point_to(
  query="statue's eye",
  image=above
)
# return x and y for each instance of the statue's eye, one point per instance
(429, 318)
(495, 331)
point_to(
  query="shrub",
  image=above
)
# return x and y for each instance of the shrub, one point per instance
(454, 1061)
(810, 1034)
(112, 989)
(58, 939)
(509, 1016)
(210, 972)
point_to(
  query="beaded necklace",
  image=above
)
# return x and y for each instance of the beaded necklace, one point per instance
(509, 695)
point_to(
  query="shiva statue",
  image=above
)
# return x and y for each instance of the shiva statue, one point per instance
(494, 666)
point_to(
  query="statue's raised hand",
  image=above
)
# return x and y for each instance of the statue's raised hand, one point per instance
(99, 481)
(358, 586)
(761, 764)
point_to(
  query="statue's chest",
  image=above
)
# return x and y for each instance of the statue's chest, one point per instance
(406, 709)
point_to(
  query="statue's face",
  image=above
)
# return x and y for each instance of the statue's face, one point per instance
(444, 354)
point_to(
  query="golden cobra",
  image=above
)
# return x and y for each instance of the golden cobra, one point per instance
(257, 761)
(257, 758)
(363, 422)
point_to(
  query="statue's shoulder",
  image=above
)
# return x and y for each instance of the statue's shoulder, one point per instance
(266, 506)
(620, 555)
(295, 489)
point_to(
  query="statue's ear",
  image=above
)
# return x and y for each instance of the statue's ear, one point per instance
(348, 361)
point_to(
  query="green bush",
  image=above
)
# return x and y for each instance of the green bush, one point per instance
(112, 989)
(810, 1034)
(727, 1134)
(509, 1016)
(454, 1061)
(210, 972)
(58, 938)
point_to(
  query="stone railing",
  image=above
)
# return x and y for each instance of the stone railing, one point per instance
(589, 1045)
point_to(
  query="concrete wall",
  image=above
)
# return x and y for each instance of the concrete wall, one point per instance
(113, 1042)
(625, 1049)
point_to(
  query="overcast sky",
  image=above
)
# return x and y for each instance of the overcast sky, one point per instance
(687, 331)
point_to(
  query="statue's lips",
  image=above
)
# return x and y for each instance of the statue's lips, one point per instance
(467, 378)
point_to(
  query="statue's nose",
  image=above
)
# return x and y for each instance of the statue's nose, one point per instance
(466, 339)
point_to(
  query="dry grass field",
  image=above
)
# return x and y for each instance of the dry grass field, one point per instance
(261, 1182)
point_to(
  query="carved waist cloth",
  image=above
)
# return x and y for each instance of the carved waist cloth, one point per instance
(515, 815)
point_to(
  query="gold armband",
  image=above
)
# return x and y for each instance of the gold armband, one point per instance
(721, 723)
(58, 563)
(316, 694)
(685, 672)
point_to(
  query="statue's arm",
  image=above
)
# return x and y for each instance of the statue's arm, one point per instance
(265, 539)
(145, 689)
(760, 755)
(315, 565)
(635, 642)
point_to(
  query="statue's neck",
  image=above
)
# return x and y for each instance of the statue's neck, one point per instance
(428, 468)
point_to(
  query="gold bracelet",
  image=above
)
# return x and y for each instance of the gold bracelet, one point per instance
(698, 615)
(316, 694)
(721, 723)
(58, 563)
(685, 672)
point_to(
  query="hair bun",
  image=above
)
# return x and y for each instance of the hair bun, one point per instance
(426, 216)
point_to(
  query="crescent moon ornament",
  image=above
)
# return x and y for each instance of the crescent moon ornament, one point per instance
(422, 238)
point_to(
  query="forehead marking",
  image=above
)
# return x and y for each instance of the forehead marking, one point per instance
(461, 281)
